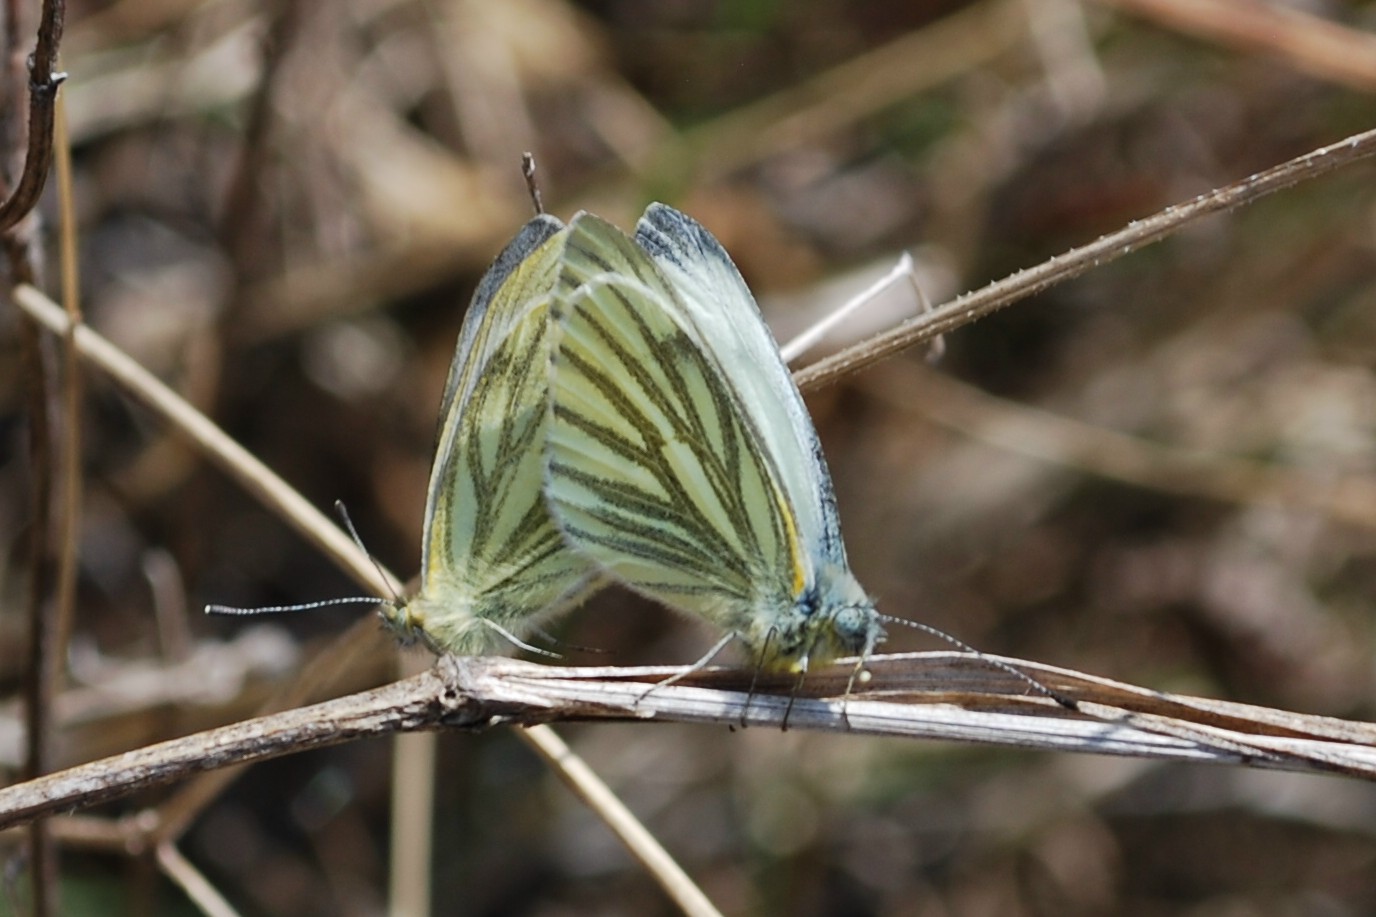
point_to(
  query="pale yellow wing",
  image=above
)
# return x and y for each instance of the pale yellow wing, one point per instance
(493, 564)
(677, 461)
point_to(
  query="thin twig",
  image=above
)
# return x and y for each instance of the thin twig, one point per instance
(532, 182)
(39, 373)
(43, 82)
(23, 257)
(949, 696)
(177, 868)
(412, 849)
(966, 308)
(69, 512)
(398, 707)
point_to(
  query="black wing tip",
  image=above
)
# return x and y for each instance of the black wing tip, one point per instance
(544, 219)
(537, 231)
(662, 229)
(670, 220)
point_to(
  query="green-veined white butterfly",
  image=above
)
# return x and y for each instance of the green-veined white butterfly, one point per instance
(493, 565)
(680, 455)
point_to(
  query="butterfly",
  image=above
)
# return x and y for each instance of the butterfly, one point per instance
(493, 565)
(680, 456)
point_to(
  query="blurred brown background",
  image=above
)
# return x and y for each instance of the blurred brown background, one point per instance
(283, 210)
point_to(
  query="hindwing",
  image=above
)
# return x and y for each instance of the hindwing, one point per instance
(658, 469)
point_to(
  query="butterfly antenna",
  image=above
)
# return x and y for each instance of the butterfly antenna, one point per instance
(518, 642)
(305, 606)
(342, 510)
(395, 602)
(695, 667)
(532, 184)
(547, 636)
(964, 647)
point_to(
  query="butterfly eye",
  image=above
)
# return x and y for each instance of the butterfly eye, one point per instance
(854, 627)
(403, 620)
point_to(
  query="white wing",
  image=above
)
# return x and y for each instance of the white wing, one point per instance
(717, 303)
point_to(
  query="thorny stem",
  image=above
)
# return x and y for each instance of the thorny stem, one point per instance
(966, 308)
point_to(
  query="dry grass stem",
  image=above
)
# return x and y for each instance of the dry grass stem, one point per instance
(946, 696)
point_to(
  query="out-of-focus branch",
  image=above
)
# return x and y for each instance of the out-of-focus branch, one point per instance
(1309, 43)
(44, 79)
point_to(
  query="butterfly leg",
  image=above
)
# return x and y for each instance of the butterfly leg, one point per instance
(856, 674)
(755, 680)
(517, 641)
(548, 637)
(695, 667)
(792, 696)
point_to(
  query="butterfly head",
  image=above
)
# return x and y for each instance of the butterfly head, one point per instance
(445, 620)
(831, 618)
(436, 624)
(406, 620)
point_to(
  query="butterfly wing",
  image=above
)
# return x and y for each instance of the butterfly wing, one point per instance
(518, 277)
(658, 469)
(492, 559)
(718, 304)
(831, 615)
